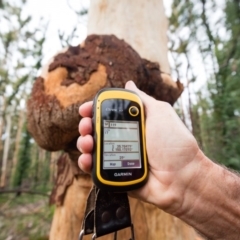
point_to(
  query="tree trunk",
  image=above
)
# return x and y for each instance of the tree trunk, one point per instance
(53, 165)
(6, 150)
(149, 222)
(21, 120)
(2, 110)
(143, 25)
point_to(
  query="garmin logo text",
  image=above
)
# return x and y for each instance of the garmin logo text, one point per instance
(122, 174)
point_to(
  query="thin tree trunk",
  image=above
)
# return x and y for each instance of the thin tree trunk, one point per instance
(41, 162)
(183, 118)
(35, 164)
(21, 120)
(2, 109)
(6, 150)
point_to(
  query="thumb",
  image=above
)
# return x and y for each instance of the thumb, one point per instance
(130, 85)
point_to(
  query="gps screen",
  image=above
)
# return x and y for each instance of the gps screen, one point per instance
(121, 147)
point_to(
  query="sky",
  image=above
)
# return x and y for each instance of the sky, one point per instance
(62, 17)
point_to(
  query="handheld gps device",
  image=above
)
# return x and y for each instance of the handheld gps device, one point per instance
(119, 155)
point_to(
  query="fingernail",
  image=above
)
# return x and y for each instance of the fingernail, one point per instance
(130, 82)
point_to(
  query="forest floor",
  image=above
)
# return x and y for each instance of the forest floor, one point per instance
(25, 217)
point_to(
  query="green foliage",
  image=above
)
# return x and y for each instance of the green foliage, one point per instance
(225, 94)
(24, 159)
(20, 58)
(32, 170)
(216, 112)
(20, 51)
(22, 41)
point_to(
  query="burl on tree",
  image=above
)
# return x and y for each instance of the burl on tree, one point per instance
(74, 77)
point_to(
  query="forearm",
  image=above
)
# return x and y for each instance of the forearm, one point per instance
(212, 202)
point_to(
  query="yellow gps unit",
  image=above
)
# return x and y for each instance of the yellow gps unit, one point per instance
(119, 155)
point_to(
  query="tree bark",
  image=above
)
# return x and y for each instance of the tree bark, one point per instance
(21, 120)
(149, 222)
(2, 110)
(53, 165)
(143, 25)
(6, 150)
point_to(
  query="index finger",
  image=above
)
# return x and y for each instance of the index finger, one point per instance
(85, 110)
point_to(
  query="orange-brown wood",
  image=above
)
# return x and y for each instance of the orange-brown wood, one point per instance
(102, 61)
(149, 222)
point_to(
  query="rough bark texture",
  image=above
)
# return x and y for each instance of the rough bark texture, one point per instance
(142, 24)
(74, 77)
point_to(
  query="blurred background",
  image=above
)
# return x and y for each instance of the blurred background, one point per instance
(204, 53)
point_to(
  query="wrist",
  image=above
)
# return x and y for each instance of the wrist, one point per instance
(194, 180)
(210, 203)
(189, 183)
(173, 191)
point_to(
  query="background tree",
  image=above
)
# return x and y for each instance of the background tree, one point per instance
(210, 31)
(21, 54)
(20, 58)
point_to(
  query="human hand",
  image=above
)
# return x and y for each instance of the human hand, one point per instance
(173, 153)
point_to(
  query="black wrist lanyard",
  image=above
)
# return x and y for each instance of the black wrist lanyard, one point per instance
(105, 213)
